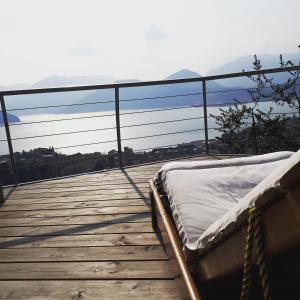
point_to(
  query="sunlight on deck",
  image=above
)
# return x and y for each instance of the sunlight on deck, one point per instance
(84, 237)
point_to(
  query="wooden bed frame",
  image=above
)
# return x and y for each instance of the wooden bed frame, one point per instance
(222, 265)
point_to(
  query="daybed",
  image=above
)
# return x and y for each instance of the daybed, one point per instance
(202, 210)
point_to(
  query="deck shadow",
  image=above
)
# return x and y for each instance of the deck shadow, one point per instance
(70, 231)
(136, 188)
(6, 194)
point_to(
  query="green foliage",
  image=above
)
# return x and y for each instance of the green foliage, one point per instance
(289, 92)
(246, 128)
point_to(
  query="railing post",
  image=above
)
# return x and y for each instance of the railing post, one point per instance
(117, 112)
(10, 147)
(205, 115)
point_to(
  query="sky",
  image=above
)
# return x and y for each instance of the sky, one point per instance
(144, 39)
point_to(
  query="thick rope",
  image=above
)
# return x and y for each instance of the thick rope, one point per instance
(259, 255)
(254, 245)
(248, 254)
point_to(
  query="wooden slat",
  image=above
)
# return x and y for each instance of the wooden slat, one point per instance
(89, 188)
(98, 220)
(87, 289)
(96, 194)
(80, 183)
(88, 253)
(92, 183)
(73, 212)
(78, 198)
(86, 270)
(138, 179)
(76, 229)
(72, 205)
(57, 236)
(113, 239)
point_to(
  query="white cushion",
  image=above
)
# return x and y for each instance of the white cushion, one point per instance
(207, 196)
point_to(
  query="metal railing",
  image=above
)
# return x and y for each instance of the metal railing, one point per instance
(117, 87)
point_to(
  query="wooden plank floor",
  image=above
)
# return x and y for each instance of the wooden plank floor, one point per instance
(83, 237)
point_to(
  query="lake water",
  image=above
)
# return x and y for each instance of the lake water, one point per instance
(98, 120)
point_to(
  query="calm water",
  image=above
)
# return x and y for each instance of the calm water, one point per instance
(97, 121)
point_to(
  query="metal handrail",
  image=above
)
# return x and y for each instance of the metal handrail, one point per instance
(146, 83)
(117, 87)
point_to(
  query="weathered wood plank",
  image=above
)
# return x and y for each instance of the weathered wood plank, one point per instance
(77, 198)
(76, 229)
(100, 240)
(88, 289)
(86, 270)
(71, 205)
(92, 179)
(98, 220)
(87, 187)
(105, 185)
(73, 212)
(79, 181)
(87, 253)
(74, 193)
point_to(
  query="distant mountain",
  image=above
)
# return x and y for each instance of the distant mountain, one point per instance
(246, 63)
(56, 81)
(149, 97)
(127, 80)
(184, 73)
(218, 92)
(54, 99)
(11, 119)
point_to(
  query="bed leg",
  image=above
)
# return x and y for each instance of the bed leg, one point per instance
(153, 212)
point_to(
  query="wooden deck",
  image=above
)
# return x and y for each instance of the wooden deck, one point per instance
(83, 237)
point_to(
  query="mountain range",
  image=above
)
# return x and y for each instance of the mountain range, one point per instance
(191, 91)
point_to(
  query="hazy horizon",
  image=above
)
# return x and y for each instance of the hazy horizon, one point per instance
(138, 39)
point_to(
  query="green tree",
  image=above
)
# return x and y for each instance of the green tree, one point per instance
(246, 128)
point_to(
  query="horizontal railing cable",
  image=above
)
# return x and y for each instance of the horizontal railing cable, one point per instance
(252, 88)
(104, 115)
(86, 144)
(128, 139)
(238, 103)
(160, 97)
(62, 133)
(176, 146)
(101, 102)
(162, 109)
(101, 129)
(53, 161)
(60, 105)
(63, 119)
(161, 122)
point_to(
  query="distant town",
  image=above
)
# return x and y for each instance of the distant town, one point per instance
(45, 163)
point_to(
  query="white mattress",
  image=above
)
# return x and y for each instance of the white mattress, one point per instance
(207, 197)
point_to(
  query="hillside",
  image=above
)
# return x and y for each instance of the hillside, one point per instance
(214, 96)
(54, 98)
(191, 95)
(11, 119)
(246, 63)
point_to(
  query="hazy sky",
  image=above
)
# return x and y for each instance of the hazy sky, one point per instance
(145, 39)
